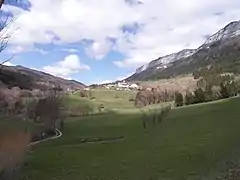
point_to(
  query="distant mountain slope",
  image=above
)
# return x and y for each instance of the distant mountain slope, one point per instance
(26, 78)
(221, 48)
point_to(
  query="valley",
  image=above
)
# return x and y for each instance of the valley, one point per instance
(175, 118)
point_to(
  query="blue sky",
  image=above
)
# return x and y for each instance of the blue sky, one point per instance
(96, 41)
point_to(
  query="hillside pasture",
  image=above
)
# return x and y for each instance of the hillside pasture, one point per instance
(111, 99)
(196, 142)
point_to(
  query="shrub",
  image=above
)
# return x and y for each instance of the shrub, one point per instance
(11, 101)
(47, 109)
(178, 99)
(141, 99)
(153, 96)
(232, 88)
(37, 93)
(81, 110)
(189, 98)
(101, 108)
(151, 116)
(165, 111)
(26, 93)
(83, 93)
(224, 91)
(199, 96)
(209, 96)
(131, 99)
(216, 90)
(3, 102)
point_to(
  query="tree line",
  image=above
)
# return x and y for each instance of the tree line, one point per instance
(212, 84)
(147, 97)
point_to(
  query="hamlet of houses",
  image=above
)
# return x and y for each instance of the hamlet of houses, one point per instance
(119, 86)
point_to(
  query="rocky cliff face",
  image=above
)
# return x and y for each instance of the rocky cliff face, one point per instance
(230, 31)
(162, 62)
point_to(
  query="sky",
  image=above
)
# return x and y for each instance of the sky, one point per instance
(98, 41)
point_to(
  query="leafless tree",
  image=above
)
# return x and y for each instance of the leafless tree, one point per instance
(6, 1)
(1, 3)
(4, 33)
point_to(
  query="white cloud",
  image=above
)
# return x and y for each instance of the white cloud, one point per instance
(65, 68)
(41, 51)
(98, 50)
(16, 49)
(168, 25)
(70, 50)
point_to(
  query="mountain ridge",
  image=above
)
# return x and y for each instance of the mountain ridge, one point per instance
(27, 78)
(230, 31)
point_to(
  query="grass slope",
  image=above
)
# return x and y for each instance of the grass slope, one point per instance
(189, 144)
(112, 99)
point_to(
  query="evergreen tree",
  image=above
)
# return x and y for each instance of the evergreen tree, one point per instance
(178, 99)
(224, 91)
(189, 98)
(199, 96)
(232, 89)
(209, 94)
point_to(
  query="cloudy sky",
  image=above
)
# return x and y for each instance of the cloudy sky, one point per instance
(95, 41)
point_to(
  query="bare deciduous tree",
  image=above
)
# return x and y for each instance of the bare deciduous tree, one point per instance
(6, 1)
(1, 3)
(5, 22)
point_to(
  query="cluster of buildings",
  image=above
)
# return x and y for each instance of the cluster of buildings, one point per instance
(119, 86)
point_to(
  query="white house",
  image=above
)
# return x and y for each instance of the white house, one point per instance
(134, 86)
(123, 85)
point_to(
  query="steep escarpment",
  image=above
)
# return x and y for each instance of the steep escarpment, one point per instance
(221, 48)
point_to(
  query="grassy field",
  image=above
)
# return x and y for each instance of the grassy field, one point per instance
(192, 143)
(112, 99)
(7, 123)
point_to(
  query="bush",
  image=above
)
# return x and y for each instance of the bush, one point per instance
(131, 99)
(11, 101)
(153, 96)
(232, 88)
(151, 116)
(141, 99)
(101, 108)
(81, 110)
(209, 96)
(47, 109)
(199, 96)
(224, 91)
(216, 90)
(178, 99)
(3, 102)
(189, 98)
(26, 93)
(83, 93)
